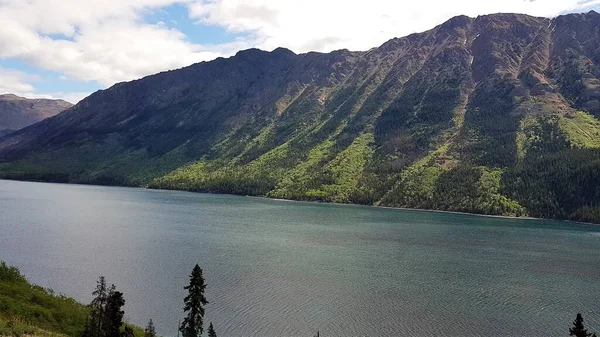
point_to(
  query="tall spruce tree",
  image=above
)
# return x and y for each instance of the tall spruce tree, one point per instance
(113, 313)
(211, 331)
(194, 305)
(150, 330)
(578, 329)
(95, 322)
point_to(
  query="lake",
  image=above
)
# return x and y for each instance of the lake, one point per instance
(278, 268)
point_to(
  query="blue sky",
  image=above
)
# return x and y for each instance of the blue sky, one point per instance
(71, 48)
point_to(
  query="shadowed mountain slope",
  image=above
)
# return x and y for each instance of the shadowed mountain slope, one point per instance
(18, 112)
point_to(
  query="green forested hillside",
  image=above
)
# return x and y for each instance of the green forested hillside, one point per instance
(494, 115)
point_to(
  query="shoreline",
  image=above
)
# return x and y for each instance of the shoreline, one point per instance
(314, 201)
(405, 208)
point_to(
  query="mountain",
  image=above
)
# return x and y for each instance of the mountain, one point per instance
(495, 115)
(18, 112)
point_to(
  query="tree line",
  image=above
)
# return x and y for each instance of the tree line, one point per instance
(106, 314)
(106, 311)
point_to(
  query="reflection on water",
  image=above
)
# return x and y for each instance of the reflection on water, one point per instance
(278, 268)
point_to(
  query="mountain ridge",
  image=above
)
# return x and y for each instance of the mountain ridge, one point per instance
(458, 118)
(18, 112)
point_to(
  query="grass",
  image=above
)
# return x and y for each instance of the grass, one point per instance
(31, 310)
(23, 304)
(582, 129)
(14, 326)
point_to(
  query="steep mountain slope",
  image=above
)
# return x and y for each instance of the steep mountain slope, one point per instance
(496, 114)
(18, 112)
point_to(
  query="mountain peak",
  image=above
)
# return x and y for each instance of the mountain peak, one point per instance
(10, 97)
(283, 51)
(457, 21)
(251, 52)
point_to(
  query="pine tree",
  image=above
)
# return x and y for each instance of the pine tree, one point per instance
(211, 331)
(113, 313)
(95, 323)
(150, 331)
(578, 329)
(194, 305)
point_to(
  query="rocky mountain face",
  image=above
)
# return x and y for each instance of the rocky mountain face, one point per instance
(18, 112)
(496, 114)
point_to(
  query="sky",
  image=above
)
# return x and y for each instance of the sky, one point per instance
(70, 48)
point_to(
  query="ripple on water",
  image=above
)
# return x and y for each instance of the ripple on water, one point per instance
(290, 269)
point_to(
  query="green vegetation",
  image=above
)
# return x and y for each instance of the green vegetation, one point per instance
(281, 173)
(474, 190)
(548, 176)
(14, 326)
(211, 331)
(417, 182)
(319, 178)
(195, 301)
(562, 185)
(582, 129)
(106, 317)
(29, 309)
(150, 331)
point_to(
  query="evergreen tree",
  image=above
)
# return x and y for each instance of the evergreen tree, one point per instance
(578, 329)
(127, 332)
(87, 330)
(95, 323)
(211, 331)
(194, 305)
(150, 331)
(113, 313)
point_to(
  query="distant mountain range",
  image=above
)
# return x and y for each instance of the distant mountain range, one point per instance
(18, 112)
(495, 115)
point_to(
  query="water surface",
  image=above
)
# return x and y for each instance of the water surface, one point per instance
(277, 268)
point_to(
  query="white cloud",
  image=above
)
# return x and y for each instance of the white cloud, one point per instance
(107, 41)
(14, 81)
(325, 25)
(20, 83)
(71, 97)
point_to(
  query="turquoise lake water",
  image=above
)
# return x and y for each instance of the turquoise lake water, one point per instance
(277, 268)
